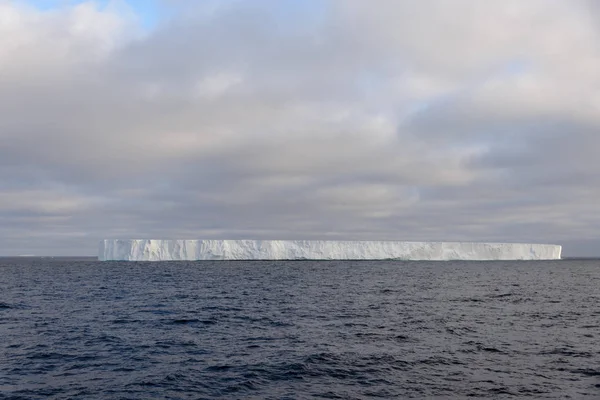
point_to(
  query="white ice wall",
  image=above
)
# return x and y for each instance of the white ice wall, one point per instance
(166, 250)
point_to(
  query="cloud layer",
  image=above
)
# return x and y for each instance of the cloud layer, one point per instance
(429, 120)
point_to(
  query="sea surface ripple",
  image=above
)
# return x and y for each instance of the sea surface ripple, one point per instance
(296, 330)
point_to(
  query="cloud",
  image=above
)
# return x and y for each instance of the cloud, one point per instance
(430, 120)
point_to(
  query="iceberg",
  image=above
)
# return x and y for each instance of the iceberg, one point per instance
(212, 249)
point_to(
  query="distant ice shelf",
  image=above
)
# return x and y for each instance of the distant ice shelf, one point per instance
(212, 249)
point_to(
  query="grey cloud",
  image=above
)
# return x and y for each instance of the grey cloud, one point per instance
(402, 121)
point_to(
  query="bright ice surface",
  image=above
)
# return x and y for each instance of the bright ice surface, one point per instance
(166, 250)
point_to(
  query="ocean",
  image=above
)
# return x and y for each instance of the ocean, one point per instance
(79, 328)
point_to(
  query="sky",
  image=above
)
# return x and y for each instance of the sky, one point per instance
(445, 120)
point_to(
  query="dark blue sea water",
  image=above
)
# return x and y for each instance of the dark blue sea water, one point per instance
(296, 330)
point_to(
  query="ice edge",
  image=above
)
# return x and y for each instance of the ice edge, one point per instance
(213, 249)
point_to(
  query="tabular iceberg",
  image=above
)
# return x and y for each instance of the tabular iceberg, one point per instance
(169, 250)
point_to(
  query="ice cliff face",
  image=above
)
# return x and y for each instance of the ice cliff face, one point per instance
(167, 250)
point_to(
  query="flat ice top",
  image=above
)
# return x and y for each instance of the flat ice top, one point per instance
(211, 249)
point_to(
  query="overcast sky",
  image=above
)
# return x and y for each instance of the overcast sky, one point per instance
(454, 120)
